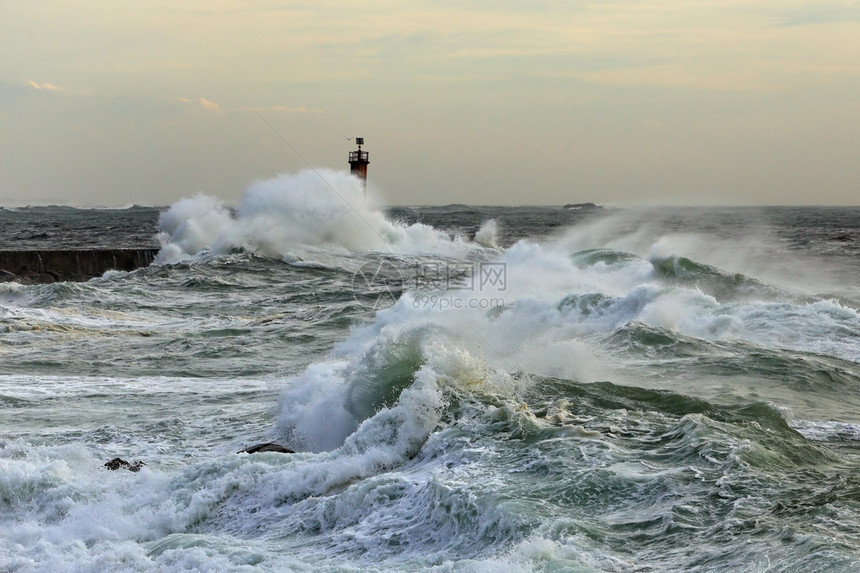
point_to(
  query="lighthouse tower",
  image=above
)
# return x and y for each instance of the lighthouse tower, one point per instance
(358, 161)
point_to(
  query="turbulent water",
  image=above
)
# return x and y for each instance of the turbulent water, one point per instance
(466, 388)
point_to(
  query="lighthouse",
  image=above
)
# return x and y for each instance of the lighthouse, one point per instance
(358, 161)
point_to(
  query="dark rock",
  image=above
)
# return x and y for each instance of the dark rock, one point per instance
(121, 464)
(48, 266)
(267, 447)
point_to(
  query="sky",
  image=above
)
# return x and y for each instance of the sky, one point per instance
(119, 102)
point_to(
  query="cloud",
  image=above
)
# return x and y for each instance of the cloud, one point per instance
(44, 86)
(206, 104)
(49, 87)
(209, 105)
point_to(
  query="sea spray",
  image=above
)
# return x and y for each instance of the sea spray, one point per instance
(194, 224)
(285, 215)
(634, 403)
(548, 327)
(488, 234)
(273, 217)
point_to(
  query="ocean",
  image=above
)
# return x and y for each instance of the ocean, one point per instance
(466, 388)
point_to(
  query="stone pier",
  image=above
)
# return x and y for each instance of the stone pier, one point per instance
(48, 266)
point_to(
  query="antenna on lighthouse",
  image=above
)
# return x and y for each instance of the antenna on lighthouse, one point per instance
(358, 161)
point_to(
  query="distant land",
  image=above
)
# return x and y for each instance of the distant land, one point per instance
(573, 206)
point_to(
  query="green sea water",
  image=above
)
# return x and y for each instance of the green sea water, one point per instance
(466, 388)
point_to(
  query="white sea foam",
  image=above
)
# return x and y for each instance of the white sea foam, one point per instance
(551, 313)
(402, 361)
(488, 234)
(821, 327)
(372, 419)
(281, 216)
(13, 294)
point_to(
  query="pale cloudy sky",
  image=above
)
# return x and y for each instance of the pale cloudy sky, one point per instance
(113, 102)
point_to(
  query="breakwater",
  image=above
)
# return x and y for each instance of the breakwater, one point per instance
(48, 266)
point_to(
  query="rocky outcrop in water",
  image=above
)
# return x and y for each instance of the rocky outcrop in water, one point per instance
(267, 447)
(121, 464)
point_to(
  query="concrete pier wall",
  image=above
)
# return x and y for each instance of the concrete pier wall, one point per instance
(48, 266)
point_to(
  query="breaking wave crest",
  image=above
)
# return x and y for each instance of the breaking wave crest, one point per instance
(290, 214)
(621, 405)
